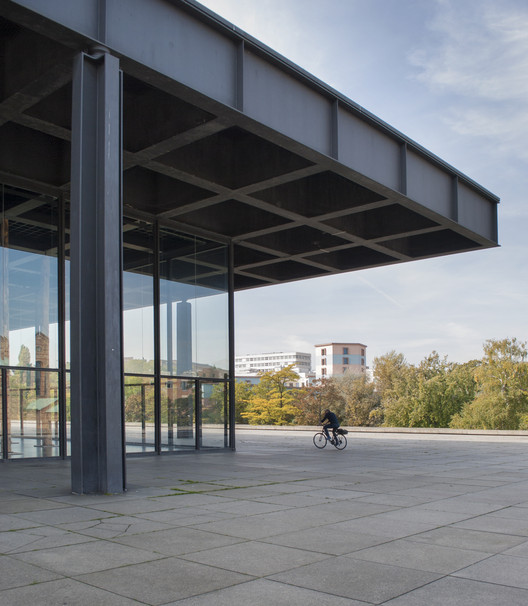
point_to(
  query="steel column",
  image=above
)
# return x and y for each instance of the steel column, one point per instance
(96, 267)
(231, 345)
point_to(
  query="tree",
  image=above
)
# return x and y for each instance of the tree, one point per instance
(361, 401)
(270, 410)
(243, 394)
(312, 400)
(271, 401)
(428, 395)
(501, 387)
(24, 356)
(279, 382)
(387, 370)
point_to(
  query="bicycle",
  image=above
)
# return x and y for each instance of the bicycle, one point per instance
(338, 440)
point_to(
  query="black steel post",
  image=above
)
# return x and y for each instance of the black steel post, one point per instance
(96, 267)
(231, 332)
(5, 425)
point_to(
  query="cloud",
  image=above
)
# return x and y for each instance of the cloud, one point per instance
(477, 56)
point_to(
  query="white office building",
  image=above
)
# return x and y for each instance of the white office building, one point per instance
(253, 364)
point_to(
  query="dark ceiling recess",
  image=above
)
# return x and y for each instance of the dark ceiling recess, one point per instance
(200, 165)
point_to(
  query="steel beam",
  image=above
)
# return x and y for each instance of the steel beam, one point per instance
(96, 270)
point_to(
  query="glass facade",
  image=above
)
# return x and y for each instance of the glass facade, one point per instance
(175, 333)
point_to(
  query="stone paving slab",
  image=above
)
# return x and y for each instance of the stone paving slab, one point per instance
(421, 556)
(355, 579)
(66, 592)
(43, 537)
(263, 592)
(393, 519)
(87, 557)
(16, 574)
(499, 569)
(450, 591)
(256, 558)
(164, 581)
(177, 541)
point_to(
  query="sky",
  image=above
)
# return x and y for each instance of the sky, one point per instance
(453, 76)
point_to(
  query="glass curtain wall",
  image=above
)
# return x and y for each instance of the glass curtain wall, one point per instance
(175, 338)
(29, 323)
(175, 319)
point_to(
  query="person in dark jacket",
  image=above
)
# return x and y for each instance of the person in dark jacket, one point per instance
(329, 421)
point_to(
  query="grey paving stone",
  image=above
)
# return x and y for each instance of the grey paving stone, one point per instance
(109, 528)
(514, 513)
(356, 579)
(66, 592)
(13, 522)
(27, 504)
(499, 569)
(64, 515)
(16, 574)
(490, 523)
(520, 551)
(451, 591)
(43, 537)
(326, 539)
(393, 500)
(470, 505)
(261, 526)
(267, 593)
(87, 557)
(246, 507)
(255, 558)
(421, 556)
(186, 516)
(385, 527)
(489, 542)
(177, 541)
(164, 581)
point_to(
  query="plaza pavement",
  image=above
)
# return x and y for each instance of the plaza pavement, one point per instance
(399, 519)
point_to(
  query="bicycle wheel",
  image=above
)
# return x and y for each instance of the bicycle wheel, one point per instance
(319, 440)
(340, 442)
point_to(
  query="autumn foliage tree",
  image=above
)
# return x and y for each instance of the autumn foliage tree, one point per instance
(271, 401)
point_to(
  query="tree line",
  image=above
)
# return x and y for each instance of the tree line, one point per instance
(489, 393)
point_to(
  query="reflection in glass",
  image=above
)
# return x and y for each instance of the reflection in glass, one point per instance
(28, 279)
(33, 414)
(214, 415)
(139, 414)
(1, 418)
(193, 306)
(177, 414)
(138, 297)
(68, 415)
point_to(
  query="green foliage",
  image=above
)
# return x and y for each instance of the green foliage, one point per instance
(312, 400)
(502, 389)
(24, 356)
(243, 394)
(361, 401)
(428, 395)
(387, 370)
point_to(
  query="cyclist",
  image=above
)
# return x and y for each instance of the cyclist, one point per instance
(329, 421)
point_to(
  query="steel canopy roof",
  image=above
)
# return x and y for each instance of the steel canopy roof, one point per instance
(228, 140)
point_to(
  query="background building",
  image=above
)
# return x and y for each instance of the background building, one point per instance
(263, 362)
(338, 359)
